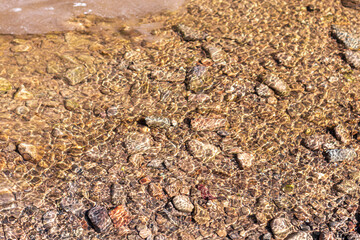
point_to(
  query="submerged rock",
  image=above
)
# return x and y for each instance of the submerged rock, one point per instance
(354, 4)
(353, 58)
(137, 142)
(99, 218)
(183, 204)
(280, 227)
(189, 34)
(201, 215)
(157, 122)
(5, 85)
(197, 79)
(279, 86)
(29, 152)
(201, 124)
(75, 75)
(349, 40)
(119, 216)
(23, 94)
(202, 150)
(339, 155)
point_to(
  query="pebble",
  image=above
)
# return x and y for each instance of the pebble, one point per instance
(342, 134)
(49, 218)
(353, 58)
(353, 236)
(354, 4)
(29, 152)
(316, 142)
(136, 160)
(155, 191)
(201, 124)
(348, 187)
(215, 53)
(144, 231)
(137, 143)
(201, 215)
(99, 219)
(245, 160)
(348, 39)
(117, 194)
(158, 122)
(75, 75)
(71, 105)
(264, 91)
(197, 79)
(299, 236)
(280, 227)
(339, 155)
(156, 163)
(202, 150)
(284, 59)
(23, 94)
(5, 85)
(112, 111)
(326, 236)
(275, 83)
(183, 204)
(119, 216)
(6, 196)
(21, 110)
(199, 98)
(189, 34)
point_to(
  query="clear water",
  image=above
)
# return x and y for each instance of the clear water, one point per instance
(41, 16)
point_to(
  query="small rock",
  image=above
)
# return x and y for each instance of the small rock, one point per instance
(6, 196)
(75, 75)
(350, 40)
(71, 105)
(317, 142)
(189, 34)
(280, 227)
(119, 216)
(245, 160)
(100, 219)
(201, 124)
(157, 122)
(21, 48)
(137, 143)
(348, 187)
(49, 218)
(29, 152)
(197, 79)
(264, 91)
(353, 58)
(342, 134)
(23, 94)
(299, 236)
(199, 98)
(339, 155)
(156, 163)
(155, 191)
(284, 59)
(202, 150)
(21, 110)
(136, 160)
(118, 195)
(354, 4)
(326, 236)
(275, 83)
(144, 231)
(5, 85)
(214, 53)
(183, 204)
(201, 215)
(112, 111)
(353, 236)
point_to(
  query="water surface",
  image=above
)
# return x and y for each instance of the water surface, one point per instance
(40, 16)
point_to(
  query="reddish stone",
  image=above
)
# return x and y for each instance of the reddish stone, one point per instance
(119, 216)
(145, 180)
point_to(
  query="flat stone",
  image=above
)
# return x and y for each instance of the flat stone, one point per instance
(317, 142)
(342, 134)
(201, 124)
(214, 52)
(71, 105)
(339, 155)
(119, 216)
(354, 4)
(299, 236)
(280, 227)
(197, 79)
(264, 91)
(100, 219)
(137, 143)
(157, 122)
(6, 196)
(75, 75)
(5, 85)
(201, 215)
(29, 152)
(202, 150)
(353, 58)
(275, 83)
(189, 34)
(49, 218)
(349, 39)
(348, 187)
(21, 110)
(23, 94)
(183, 204)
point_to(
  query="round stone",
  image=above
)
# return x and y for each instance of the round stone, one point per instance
(183, 204)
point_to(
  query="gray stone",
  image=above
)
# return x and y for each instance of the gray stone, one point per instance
(350, 40)
(275, 83)
(157, 122)
(100, 219)
(189, 34)
(280, 227)
(339, 155)
(299, 236)
(354, 4)
(29, 152)
(353, 58)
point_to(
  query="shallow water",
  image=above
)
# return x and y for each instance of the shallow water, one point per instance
(40, 16)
